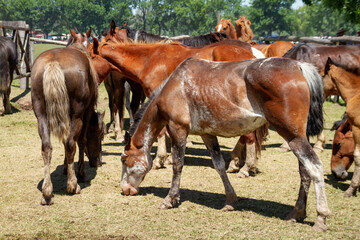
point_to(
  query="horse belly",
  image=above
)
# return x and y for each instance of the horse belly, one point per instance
(227, 125)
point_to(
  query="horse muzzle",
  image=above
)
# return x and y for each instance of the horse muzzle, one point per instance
(340, 173)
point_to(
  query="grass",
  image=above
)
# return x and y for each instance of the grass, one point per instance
(101, 212)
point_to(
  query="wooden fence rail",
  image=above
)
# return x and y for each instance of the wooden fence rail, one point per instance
(332, 40)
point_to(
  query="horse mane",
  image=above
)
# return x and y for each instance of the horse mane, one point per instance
(294, 50)
(202, 40)
(142, 36)
(243, 29)
(348, 66)
(79, 47)
(337, 124)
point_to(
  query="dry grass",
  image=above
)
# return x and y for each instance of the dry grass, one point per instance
(101, 212)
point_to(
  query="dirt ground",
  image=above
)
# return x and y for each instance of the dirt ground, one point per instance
(102, 212)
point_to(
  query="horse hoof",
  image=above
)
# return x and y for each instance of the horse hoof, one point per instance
(349, 192)
(169, 161)
(243, 174)
(47, 201)
(228, 207)
(320, 227)
(164, 205)
(75, 190)
(189, 143)
(282, 149)
(120, 138)
(318, 149)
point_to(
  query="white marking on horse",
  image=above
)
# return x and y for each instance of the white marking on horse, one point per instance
(219, 28)
(85, 44)
(257, 53)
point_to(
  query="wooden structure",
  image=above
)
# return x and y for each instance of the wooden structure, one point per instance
(332, 40)
(25, 49)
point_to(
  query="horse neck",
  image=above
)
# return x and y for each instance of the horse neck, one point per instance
(127, 59)
(233, 32)
(148, 128)
(347, 83)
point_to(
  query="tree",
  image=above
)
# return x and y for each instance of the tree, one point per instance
(268, 16)
(351, 8)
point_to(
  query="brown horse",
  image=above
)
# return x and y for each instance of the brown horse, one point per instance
(244, 33)
(160, 60)
(346, 77)
(230, 99)
(317, 55)
(64, 96)
(342, 149)
(8, 61)
(227, 27)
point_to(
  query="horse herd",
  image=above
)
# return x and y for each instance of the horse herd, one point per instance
(220, 84)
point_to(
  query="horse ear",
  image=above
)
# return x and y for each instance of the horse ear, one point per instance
(112, 27)
(88, 33)
(96, 46)
(127, 140)
(248, 21)
(327, 65)
(72, 33)
(125, 24)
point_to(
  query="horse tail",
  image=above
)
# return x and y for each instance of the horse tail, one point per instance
(315, 121)
(57, 101)
(260, 136)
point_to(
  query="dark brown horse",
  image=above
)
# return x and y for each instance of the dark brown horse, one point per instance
(346, 77)
(317, 55)
(231, 99)
(64, 96)
(342, 149)
(8, 61)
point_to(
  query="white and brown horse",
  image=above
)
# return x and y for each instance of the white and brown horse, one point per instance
(232, 99)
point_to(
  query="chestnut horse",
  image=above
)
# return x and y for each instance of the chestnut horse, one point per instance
(161, 60)
(230, 99)
(64, 95)
(342, 149)
(317, 55)
(243, 32)
(8, 61)
(346, 77)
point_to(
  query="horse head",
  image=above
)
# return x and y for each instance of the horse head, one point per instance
(95, 135)
(343, 149)
(243, 29)
(135, 165)
(116, 34)
(77, 37)
(102, 66)
(225, 26)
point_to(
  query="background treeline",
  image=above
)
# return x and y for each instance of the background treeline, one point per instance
(177, 17)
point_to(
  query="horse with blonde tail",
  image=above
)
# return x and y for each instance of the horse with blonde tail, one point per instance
(64, 96)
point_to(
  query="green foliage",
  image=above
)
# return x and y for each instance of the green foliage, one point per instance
(178, 17)
(351, 8)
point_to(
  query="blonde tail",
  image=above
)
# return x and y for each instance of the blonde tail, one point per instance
(57, 101)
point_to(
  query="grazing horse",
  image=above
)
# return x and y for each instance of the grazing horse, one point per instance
(317, 55)
(346, 77)
(64, 95)
(342, 149)
(8, 61)
(230, 99)
(160, 60)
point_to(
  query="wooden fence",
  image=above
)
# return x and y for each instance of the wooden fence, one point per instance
(330, 40)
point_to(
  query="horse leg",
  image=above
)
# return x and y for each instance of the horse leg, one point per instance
(46, 151)
(109, 89)
(235, 162)
(7, 104)
(355, 181)
(320, 142)
(2, 105)
(284, 147)
(161, 153)
(119, 116)
(70, 149)
(213, 147)
(250, 161)
(178, 145)
(313, 166)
